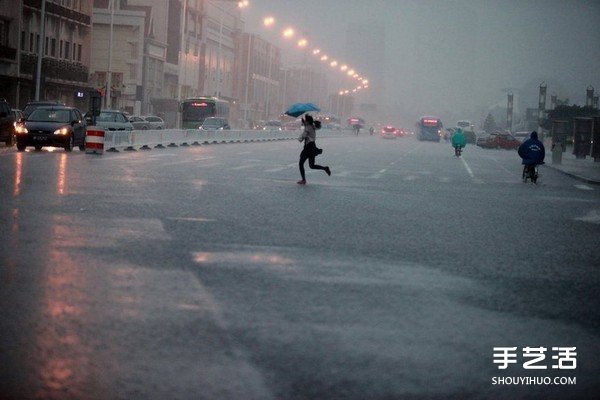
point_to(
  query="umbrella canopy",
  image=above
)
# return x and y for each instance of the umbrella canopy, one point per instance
(298, 109)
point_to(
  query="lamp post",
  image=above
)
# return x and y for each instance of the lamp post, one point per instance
(267, 105)
(108, 100)
(541, 108)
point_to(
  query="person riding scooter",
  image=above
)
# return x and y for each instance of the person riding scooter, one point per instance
(458, 142)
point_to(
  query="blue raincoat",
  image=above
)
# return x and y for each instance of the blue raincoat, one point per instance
(532, 151)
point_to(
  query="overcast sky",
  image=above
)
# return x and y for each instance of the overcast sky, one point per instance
(448, 55)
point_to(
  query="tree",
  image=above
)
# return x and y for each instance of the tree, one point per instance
(489, 125)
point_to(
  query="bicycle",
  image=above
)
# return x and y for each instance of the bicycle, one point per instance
(530, 172)
(457, 151)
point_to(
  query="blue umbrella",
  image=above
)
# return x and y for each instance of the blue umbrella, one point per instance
(298, 109)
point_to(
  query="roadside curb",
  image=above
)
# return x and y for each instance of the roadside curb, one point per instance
(575, 176)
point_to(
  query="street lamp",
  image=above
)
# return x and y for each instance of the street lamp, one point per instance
(288, 33)
(268, 21)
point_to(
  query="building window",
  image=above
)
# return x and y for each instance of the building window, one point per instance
(23, 37)
(133, 71)
(53, 47)
(67, 50)
(134, 50)
(46, 47)
(79, 52)
(74, 51)
(4, 25)
(60, 49)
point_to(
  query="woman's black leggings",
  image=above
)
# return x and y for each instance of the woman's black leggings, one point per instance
(308, 153)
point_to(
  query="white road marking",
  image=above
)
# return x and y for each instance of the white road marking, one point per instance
(467, 167)
(243, 167)
(584, 187)
(444, 179)
(383, 171)
(592, 216)
(280, 168)
(199, 219)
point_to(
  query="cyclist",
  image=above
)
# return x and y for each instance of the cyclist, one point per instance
(458, 141)
(532, 152)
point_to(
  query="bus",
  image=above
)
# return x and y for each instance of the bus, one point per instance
(429, 128)
(195, 110)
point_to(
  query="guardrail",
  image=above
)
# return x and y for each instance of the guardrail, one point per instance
(147, 139)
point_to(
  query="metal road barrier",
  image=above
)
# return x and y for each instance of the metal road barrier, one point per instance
(115, 141)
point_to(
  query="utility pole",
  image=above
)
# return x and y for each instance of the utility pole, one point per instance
(38, 74)
(247, 79)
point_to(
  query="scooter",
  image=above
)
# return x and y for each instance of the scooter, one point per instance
(530, 172)
(457, 151)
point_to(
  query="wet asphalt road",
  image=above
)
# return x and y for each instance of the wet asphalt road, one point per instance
(208, 273)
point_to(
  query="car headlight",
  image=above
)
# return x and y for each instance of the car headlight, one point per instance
(61, 131)
(21, 129)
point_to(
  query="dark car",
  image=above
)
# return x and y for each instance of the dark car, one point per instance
(7, 124)
(33, 105)
(214, 123)
(52, 126)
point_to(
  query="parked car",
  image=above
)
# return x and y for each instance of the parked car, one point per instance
(522, 136)
(272, 125)
(154, 121)
(7, 123)
(32, 105)
(139, 123)
(470, 136)
(56, 126)
(481, 139)
(214, 123)
(507, 141)
(292, 126)
(501, 140)
(111, 120)
(333, 126)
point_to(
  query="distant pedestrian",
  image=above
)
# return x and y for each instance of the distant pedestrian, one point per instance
(310, 150)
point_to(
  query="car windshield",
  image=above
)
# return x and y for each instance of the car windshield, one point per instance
(212, 122)
(45, 115)
(108, 117)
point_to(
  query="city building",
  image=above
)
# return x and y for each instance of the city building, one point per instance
(257, 80)
(65, 45)
(365, 45)
(118, 50)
